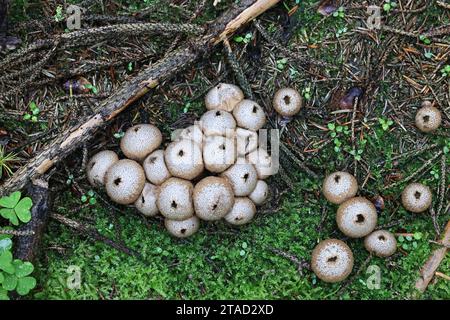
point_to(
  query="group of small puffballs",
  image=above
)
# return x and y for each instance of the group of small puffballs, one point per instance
(220, 154)
(356, 217)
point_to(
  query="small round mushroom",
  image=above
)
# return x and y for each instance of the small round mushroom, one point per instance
(218, 122)
(242, 177)
(262, 162)
(182, 228)
(249, 115)
(382, 243)
(184, 159)
(246, 141)
(356, 217)
(175, 199)
(219, 153)
(260, 193)
(416, 197)
(193, 133)
(155, 167)
(242, 212)
(146, 203)
(213, 198)
(224, 96)
(287, 102)
(339, 186)
(428, 118)
(98, 165)
(332, 260)
(140, 140)
(124, 181)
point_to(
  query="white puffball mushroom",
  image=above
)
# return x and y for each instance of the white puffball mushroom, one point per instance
(339, 186)
(124, 181)
(382, 243)
(428, 118)
(175, 199)
(242, 212)
(356, 217)
(217, 122)
(183, 228)
(287, 102)
(98, 165)
(416, 197)
(140, 140)
(224, 96)
(219, 153)
(193, 133)
(242, 177)
(262, 162)
(184, 159)
(246, 141)
(213, 198)
(260, 193)
(155, 167)
(249, 115)
(146, 203)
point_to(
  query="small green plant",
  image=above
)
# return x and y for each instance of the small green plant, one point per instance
(410, 242)
(243, 39)
(389, 5)
(306, 92)
(14, 209)
(424, 39)
(339, 13)
(445, 71)
(89, 196)
(341, 31)
(33, 114)
(5, 159)
(385, 123)
(119, 134)
(91, 87)
(59, 16)
(70, 179)
(281, 63)
(428, 54)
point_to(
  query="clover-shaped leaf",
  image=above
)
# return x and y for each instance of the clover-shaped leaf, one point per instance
(23, 268)
(10, 214)
(5, 245)
(22, 209)
(11, 200)
(5, 262)
(3, 294)
(24, 285)
(10, 282)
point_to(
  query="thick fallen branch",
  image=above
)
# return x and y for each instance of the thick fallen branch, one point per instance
(132, 90)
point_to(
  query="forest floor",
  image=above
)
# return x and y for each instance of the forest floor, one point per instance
(395, 67)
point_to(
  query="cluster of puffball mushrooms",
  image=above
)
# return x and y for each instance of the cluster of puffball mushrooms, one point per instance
(212, 170)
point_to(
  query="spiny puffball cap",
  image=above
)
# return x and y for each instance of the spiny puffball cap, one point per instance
(175, 199)
(339, 186)
(249, 115)
(416, 197)
(287, 102)
(246, 141)
(155, 167)
(356, 217)
(260, 193)
(382, 243)
(193, 133)
(262, 162)
(242, 177)
(124, 181)
(332, 260)
(213, 198)
(242, 211)
(184, 159)
(217, 122)
(224, 96)
(140, 140)
(219, 153)
(146, 202)
(98, 165)
(182, 228)
(428, 118)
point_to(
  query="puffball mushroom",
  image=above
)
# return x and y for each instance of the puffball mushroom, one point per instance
(193, 133)
(242, 212)
(416, 197)
(260, 193)
(140, 140)
(262, 162)
(332, 260)
(98, 165)
(339, 186)
(224, 96)
(249, 115)
(287, 102)
(175, 199)
(218, 122)
(146, 202)
(155, 167)
(213, 198)
(246, 141)
(428, 118)
(356, 217)
(242, 177)
(382, 243)
(219, 153)
(124, 181)
(184, 159)
(183, 228)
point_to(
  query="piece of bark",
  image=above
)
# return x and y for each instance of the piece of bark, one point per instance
(132, 90)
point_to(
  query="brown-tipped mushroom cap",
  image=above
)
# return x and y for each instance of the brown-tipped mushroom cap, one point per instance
(155, 167)
(242, 212)
(382, 243)
(182, 228)
(339, 186)
(124, 181)
(428, 118)
(219, 153)
(224, 96)
(146, 203)
(140, 140)
(332, 260)
(260, 193)
(213, 198)
(175, 199)
(249, 115)
(262, 162)
(98, 165)
(184, 159)
(242, 177)
(416, 197)
(287, 102)
(217, 122)
(356, 217)
(246, 141)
